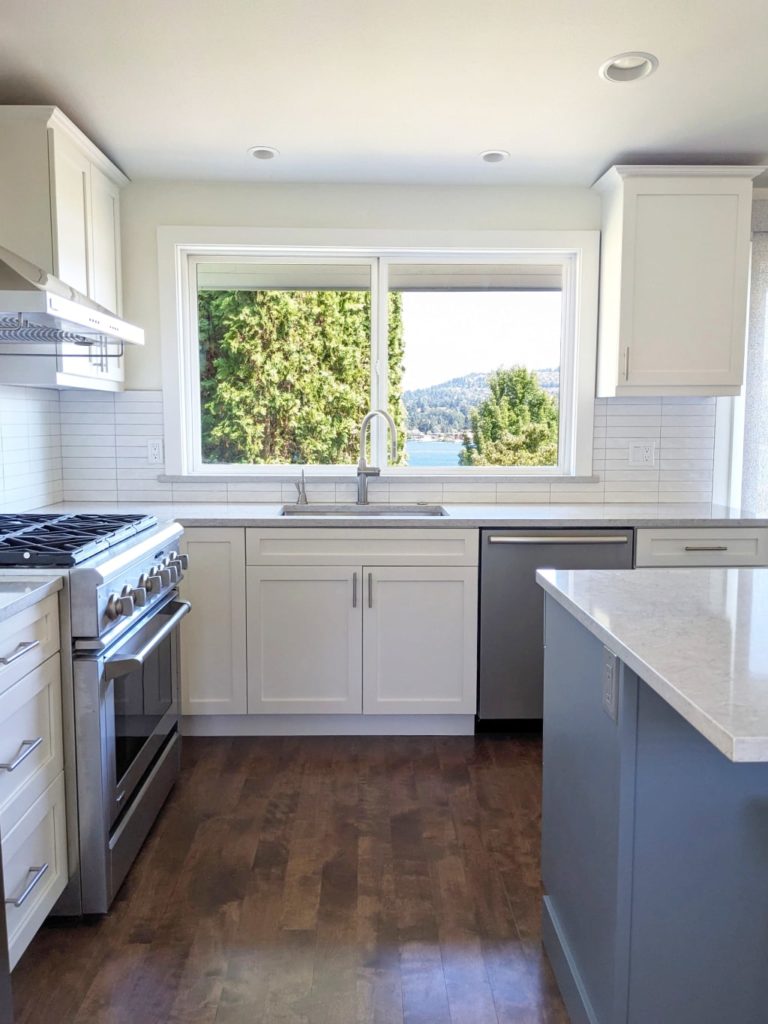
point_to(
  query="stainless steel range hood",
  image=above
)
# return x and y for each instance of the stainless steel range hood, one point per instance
(37, 307)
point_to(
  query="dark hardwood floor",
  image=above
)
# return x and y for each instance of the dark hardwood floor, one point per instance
(320, 881)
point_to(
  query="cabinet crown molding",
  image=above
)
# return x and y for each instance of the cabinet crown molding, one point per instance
(616, 174)
(54, 117)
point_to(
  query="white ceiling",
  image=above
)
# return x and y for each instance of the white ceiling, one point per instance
(402, 91)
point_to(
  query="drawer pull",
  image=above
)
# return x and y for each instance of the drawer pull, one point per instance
(38, 874)
(27, 746)
(23, 648)
(706, 547)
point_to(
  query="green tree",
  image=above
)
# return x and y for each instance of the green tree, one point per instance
(515, 426)
(285, 375)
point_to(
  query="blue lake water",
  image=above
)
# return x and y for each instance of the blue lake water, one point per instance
(433, 453)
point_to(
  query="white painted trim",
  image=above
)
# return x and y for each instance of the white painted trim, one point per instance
(576, 251)
(728, 452)
(328, 725)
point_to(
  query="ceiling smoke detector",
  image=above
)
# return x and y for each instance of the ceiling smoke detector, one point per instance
(629, 67)
(494, 156)
(264, 152)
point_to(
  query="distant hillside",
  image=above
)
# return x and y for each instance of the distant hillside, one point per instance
(445, 408)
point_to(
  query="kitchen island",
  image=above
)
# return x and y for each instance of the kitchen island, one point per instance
(655, 794)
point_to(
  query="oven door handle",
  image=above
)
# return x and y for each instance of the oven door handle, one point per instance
(122, 664)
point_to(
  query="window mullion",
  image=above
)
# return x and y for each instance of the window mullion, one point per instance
(380, 376)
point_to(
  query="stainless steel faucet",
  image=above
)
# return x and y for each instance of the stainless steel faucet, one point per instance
(301, 487)
(363, 469)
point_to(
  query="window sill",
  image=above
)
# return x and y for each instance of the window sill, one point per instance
(468, 476)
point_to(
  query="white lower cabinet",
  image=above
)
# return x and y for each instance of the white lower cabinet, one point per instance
(334, 622)
(419, 640)
(213, 638)
(374, 622)
(34, 867)
(304, 640)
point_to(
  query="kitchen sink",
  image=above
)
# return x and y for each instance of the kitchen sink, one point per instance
(318, 509)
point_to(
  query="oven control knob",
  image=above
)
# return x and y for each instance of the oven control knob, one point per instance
(178, 565)
(143, 581)
(184, 560)
(175, 573)
(118, 606)
(139, 595)
(155, 581)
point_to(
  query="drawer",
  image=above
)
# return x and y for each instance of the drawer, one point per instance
(706, 546)
(30, 740)
(38, 839)
(289, 546)
(28, 639)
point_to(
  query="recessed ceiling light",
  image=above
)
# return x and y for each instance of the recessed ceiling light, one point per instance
(264, 152)
(494, 156)
(629, 67)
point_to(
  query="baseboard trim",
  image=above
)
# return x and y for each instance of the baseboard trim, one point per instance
(328, 725)
(566, 973)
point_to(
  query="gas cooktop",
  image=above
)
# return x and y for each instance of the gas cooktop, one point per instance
(64, 540)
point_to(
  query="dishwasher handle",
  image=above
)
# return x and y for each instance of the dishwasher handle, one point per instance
(557, 540)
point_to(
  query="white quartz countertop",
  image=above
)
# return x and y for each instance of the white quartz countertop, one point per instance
(18, 592)
(698, 637)
(461, 516)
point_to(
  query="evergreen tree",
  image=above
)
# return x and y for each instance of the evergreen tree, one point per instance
(516, 426)
(285, 375)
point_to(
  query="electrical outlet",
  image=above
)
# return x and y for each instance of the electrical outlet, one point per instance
(610, 684)
(155, 452)
(642, 453)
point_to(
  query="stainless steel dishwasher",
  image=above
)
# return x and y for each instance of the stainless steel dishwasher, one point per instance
(512, 608)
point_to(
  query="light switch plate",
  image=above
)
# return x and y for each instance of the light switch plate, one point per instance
(610, 684)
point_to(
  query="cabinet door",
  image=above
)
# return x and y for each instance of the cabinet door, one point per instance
(213, 680)
(105, 234)
(420, 641)
(687, 267)
(304, 640)
(71, 170)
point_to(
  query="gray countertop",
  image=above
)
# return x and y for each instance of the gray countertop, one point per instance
(18, 591)
(459, 516)
(697, 637)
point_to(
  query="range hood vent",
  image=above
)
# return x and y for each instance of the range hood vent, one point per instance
(37, 307)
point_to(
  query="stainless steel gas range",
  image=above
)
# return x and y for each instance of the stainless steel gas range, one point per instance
(121, 702)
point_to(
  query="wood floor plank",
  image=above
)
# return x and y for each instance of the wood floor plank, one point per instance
(320, 881)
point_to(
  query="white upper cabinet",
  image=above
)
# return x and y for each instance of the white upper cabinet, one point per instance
(60, 209)
(59, 199)
(674, 279)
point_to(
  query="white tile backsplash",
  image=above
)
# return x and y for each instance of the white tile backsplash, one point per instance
(91, 446)
(30, 450)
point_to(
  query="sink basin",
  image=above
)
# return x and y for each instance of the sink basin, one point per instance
(391, 511)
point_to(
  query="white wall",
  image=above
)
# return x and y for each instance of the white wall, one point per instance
(145, 206)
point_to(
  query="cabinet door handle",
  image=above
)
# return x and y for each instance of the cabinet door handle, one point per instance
(626, 363)
(370, 590)
(706, 547)
(26, 748)
(38, 874)
(23, 648)
(354, 590)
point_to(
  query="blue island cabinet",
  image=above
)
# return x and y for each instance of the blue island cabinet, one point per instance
(654, 851)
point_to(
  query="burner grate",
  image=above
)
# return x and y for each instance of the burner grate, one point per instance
(49, 539)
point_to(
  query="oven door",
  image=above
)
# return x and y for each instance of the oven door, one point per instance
(140, 701)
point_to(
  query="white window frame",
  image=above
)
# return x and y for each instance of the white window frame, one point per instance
(181, 249)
